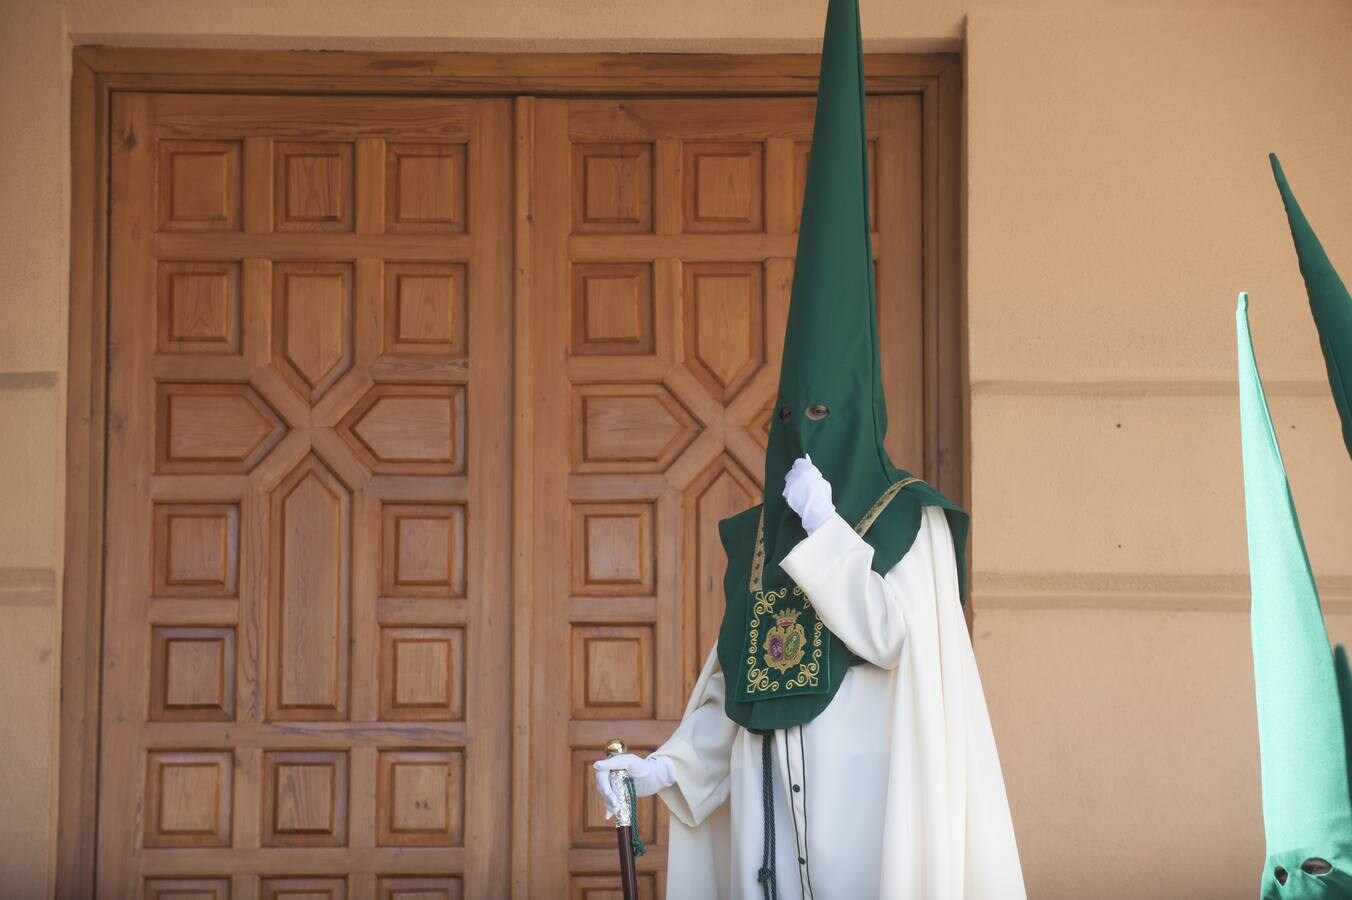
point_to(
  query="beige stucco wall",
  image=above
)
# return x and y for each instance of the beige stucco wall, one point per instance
(1117, 199)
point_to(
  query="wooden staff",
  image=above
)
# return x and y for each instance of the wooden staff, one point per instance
(624, 821)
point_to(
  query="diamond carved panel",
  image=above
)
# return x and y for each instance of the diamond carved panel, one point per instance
(218, 428)
(724, 324)
(628, 428)
(409, 429)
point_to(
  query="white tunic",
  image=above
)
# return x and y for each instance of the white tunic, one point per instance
(894, 791)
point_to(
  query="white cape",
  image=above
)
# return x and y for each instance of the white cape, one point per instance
(894, 791)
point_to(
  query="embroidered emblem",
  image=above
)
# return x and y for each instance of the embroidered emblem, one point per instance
(787, 647)
(784, 643)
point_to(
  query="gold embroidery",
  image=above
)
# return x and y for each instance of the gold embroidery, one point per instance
(877, 508)
(758, 555)
(758, 678)
(783, 650)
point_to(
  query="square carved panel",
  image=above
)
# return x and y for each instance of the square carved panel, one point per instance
(189, 798)
(607, 887)
(192, 674)
(589, 826)
(425, 309)
(612, 671)
(423, 550)
(303, 888)
(420, 798)
(313, 186)
(187, 889)
(723, 186)
(305, 798)
(612, 309)
(420, 887)
(196, 549)
(612, 548)
(422, 673)
(425, 188)
(200, 185)
(198, 307)
(612, 187)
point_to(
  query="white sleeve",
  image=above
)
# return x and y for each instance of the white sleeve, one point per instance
(833, 566)
(700, 750)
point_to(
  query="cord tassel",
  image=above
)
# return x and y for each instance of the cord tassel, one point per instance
(766, 874)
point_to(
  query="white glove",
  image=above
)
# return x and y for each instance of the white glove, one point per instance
(649, 776)
(808, 494)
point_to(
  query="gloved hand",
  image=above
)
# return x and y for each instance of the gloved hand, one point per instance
(809, 494)
(649, 776)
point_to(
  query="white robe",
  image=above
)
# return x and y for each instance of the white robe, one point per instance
(894, 791)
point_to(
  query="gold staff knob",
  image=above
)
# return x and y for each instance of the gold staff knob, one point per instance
(615, 747)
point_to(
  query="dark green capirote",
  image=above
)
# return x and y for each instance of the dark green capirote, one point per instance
(781, 664)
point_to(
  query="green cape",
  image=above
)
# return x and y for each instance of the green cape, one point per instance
(831, 364)
(1307, 809)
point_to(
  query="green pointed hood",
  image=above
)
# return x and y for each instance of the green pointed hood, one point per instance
(831, 353)
(1306, 808)
(782, 665)
(1329, 302)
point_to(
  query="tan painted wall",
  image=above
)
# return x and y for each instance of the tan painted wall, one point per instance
(1117, 199)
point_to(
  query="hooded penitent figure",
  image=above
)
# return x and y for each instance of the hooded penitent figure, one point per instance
(837, 743)
(1302, 686)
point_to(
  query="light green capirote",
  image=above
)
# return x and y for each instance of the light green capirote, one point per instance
(1307, 811)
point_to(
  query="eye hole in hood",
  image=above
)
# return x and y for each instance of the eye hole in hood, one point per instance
(1316, 866)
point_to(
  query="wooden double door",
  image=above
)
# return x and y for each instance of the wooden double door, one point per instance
(422, 413)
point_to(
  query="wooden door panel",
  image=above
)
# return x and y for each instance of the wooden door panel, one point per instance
(304, 671)
(664, 235)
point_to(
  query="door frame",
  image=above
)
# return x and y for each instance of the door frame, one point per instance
(98, 72)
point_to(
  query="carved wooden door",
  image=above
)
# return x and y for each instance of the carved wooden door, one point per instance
(664, 236)
(306, 660)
